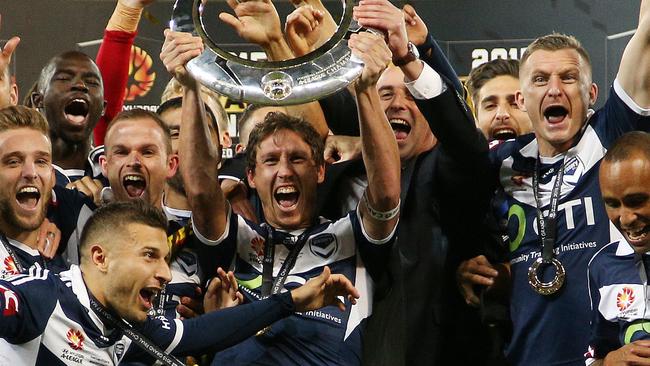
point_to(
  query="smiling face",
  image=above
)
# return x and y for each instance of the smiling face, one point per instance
(26, 179)
(411, 128)
(136, 270)
(498, 114)
(556, 91)
(286, 177)
(625, 187)
(137, 162)
(72, 96)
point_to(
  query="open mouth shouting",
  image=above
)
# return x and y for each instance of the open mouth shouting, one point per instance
(286, 197)
(148, 295)
(401, 128)
(504, 133)
(134, 185)
(28, 197)
(76, 111)
(555, 114)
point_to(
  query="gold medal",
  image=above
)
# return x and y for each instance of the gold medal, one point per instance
(263, 331)
(546, 288)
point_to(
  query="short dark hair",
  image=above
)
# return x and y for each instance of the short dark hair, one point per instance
(137, 113)
(48, 69)
(555, 42)
(177, 102)
(169, 104)
(277, 121)
(113, 217)
(19, 116)
(627, 145)
(480, 75)
(245, 122)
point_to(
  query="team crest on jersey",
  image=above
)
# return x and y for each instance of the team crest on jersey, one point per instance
(119, 350)
(625, 298)
(188, 262)
(323, 245)
(75, 339)
(9, 266)
(518, 180)
(573, 170)
(257, 246)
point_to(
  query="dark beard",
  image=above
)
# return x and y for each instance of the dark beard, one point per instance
(176, 183)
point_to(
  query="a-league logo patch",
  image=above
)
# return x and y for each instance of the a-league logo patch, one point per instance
(323, 245)
(625, 298)
(10, 267)
(257, 245)
(75, 339)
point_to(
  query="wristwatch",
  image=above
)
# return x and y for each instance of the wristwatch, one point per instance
(411, 55)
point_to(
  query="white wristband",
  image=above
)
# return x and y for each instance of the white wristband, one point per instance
(381, 215)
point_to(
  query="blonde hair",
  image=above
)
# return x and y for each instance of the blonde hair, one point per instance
(555, 42)
(18, 116)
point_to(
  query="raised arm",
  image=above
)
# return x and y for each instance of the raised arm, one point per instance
(302, 29)
(5, 59)
(258, 22)
(327, 24)
(634, 70)
(199, 158)
(113, 59)
(378, 144)
(385, 17)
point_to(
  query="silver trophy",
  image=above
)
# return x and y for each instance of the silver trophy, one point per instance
(315, 75)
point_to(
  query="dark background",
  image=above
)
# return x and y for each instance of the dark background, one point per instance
(48, 27)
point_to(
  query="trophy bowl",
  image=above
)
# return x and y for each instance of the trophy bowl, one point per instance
(310, 77)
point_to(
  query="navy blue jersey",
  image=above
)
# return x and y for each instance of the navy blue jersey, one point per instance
(92, 169)
(554, 330)
(46, 320)
(28, 257)
(617, 287)
(186, 271)
(327, 336)
(69, 210)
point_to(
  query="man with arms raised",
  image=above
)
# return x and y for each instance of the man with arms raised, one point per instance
(444, 161)
(556, 221)
(285, 164)
(78, 316)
